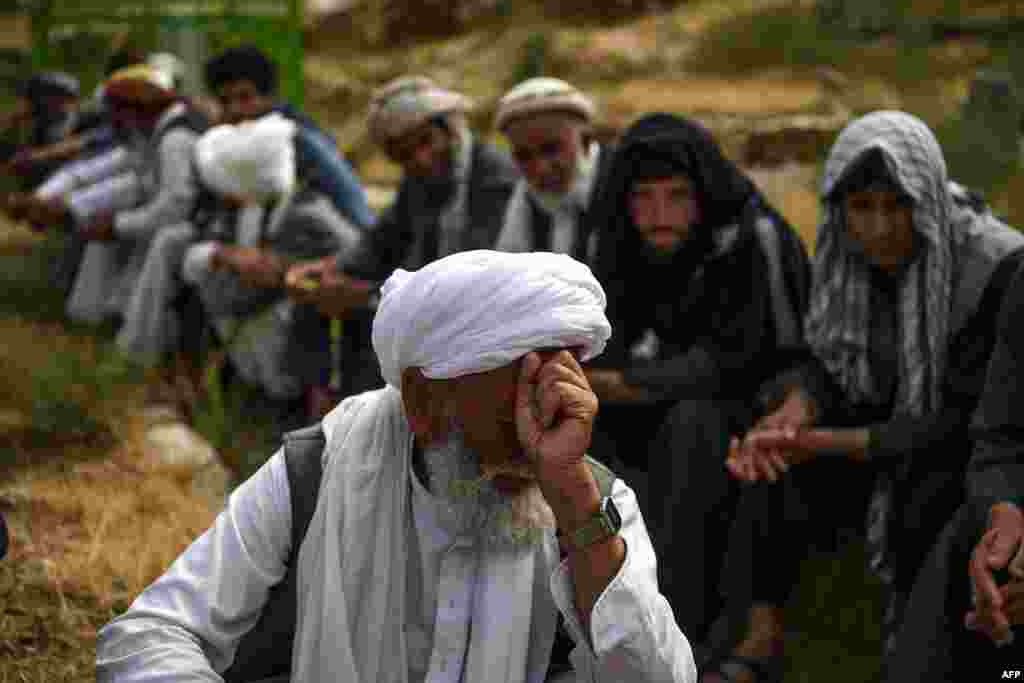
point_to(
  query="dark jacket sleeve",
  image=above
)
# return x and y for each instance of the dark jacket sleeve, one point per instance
(902, 437)
(996, 470)
(382, 247)
(313, 230)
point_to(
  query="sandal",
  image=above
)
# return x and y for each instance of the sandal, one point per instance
(729, 668)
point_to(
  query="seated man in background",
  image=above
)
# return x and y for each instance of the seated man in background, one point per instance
(910, 272)
(457, 518)
(262, 217)
(46, 113)
(93, 136)
(548, 124)
(969, 597)
(244, 80)
(452, 198)
(144, 101)
(707, 285)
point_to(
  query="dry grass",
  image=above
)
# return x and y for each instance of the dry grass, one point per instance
(751, 96)
(93, 518)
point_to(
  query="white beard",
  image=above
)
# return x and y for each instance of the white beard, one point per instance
(499, 521)
(577, 195)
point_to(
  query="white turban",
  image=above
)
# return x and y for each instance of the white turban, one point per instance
(480, 310)
(254, 160)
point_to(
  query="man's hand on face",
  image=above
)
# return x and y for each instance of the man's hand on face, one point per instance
(996, 607)
(555, 411)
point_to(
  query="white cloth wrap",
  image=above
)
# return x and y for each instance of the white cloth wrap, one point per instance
(254, 160)
(479, 310)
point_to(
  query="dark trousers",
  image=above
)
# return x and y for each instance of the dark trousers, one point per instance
(673, 455)
(823, 503)
(933, 644)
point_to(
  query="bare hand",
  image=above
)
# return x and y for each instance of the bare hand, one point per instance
(993, 552)
(750, 460)
(336, 295)
(555, 411)
(303, 279)
(42, 213)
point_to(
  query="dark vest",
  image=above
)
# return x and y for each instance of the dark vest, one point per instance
(541, 226)
(266, 651)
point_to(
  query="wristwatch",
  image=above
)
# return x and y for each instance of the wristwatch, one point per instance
(601, 526)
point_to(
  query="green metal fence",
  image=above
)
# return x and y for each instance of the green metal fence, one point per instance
(78, 35)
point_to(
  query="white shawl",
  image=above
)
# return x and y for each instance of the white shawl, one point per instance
(352, 567)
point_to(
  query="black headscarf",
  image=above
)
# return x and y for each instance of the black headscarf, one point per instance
(656, 146)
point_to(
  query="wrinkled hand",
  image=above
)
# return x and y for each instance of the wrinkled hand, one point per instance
(611, 387)
(256, 267)
(555, 411)
(772, 444)
(303, 279)
(333, 293)
(996, 608)
(15, 205)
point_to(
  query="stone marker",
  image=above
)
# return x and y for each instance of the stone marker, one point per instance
(172, 442)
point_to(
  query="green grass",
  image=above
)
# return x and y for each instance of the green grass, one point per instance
(793, 37)
(237, 422)
(834, 620)
(782, 36)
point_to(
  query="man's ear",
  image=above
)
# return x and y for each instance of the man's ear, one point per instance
(417, 398)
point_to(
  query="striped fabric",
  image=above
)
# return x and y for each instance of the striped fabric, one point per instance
(838, 321)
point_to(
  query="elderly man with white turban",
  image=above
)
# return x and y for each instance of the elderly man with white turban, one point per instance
(255, 217)
(447, 527)
(548, 123)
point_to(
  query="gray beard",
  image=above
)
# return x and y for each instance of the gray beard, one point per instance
(476, 508)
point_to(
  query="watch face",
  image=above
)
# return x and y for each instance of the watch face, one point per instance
(612, 513)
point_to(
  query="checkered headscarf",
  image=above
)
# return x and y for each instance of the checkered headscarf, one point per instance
(839, 318)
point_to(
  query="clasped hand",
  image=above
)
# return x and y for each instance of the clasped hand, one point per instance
(998, 607)
(785, 438)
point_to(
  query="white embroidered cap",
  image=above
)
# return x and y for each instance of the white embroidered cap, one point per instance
(543, 94)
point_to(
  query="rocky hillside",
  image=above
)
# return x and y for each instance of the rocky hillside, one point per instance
(761, 74)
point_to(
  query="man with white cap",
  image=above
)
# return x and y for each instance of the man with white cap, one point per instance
(548, 123)
(264, 217)
(452, 524)
(452, 198)
(142, 100)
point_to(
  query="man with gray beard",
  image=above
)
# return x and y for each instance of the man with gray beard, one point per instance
(549, 127)
(444, 528)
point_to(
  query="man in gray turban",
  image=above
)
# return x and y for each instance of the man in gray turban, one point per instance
(453, 529)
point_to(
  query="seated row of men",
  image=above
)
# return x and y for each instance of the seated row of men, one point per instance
(850, 384)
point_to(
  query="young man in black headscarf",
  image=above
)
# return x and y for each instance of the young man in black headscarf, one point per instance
(707, 286)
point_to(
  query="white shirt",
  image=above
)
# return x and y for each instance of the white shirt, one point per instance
(175, 631)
